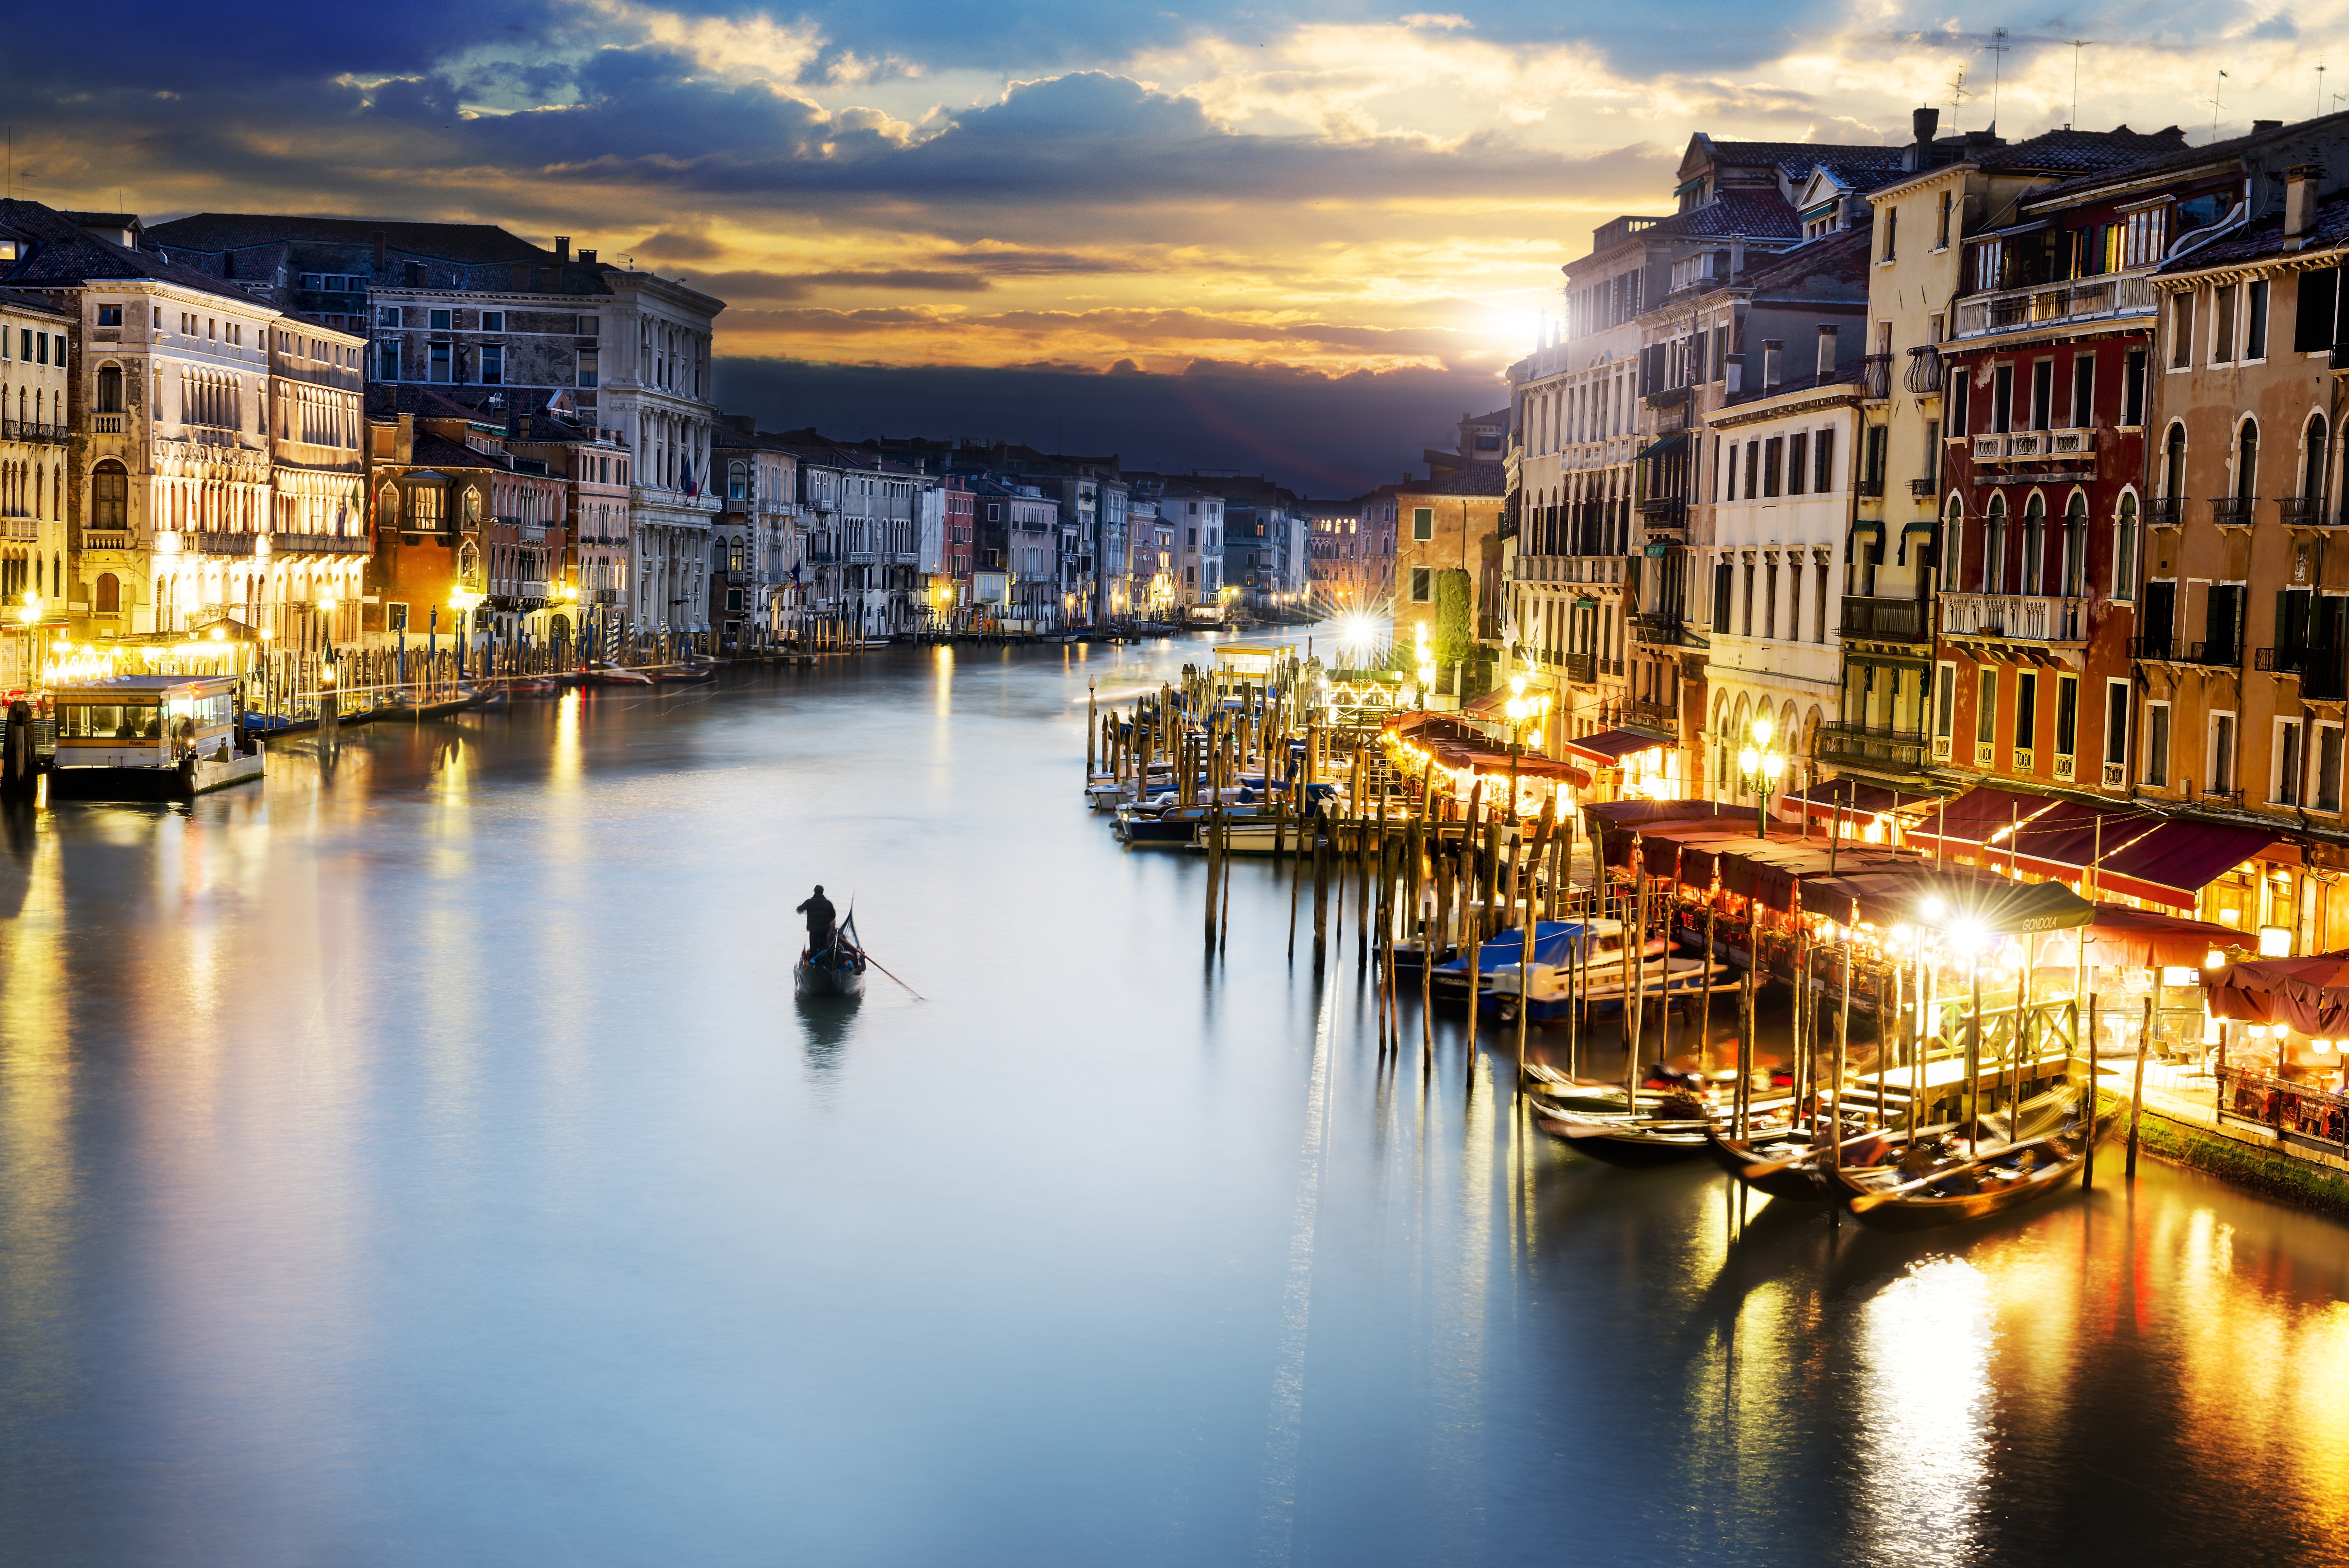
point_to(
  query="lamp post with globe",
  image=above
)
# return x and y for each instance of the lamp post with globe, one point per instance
(1763, 765)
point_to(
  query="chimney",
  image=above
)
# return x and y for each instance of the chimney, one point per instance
(1827, 351)
(562, 250)
(1774, 352)
(1736, 255)
(1923, 123)
(586, 257)
(2262, 127)
(2301, 184)
(382, 258)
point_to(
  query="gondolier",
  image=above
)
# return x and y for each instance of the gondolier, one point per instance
(820, 914)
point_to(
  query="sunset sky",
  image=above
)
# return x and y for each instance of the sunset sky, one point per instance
(1303, 239)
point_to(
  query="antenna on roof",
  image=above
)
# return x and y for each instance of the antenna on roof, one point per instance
(1957, 98)
(2077, 44)
(1997, 70)
(2319, 84)
(2217, 88)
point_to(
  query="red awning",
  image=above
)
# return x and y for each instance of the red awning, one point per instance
(1491, 702)
(1610, 747)
(2175, 862)
(2310, 994)
(1853, 800)
(1969, 821)
(2120, 937)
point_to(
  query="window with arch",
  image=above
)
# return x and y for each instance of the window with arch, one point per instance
(738, 480)
(109, 495)
(2125, 524)
(109, 389)
(2314, 463)
(2034, 544)
(2075, 545)
(1992, 576)
(2173, 463)
(2247, 461)
(1953, 543)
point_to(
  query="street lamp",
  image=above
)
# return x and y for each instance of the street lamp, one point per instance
(1764, 765)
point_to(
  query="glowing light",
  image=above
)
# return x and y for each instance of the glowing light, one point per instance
(2275, 941)
(1763, 729)
(2214, 959)
(31, 613)
(1969, 936)
(1932, 908)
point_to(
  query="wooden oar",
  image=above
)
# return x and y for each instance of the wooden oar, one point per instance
(909, 990)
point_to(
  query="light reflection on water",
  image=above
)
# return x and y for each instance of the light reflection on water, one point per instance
(425, 1159)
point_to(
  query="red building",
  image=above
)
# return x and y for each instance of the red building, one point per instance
(2042, 509)
(961, 533)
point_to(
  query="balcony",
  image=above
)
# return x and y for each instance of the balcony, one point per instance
(2014, 617)
(1924, 490)
(2226, 655)
(534, 590)
(1888, 620)
(2302, 511)
(1876, 376)
(1924, 370)
(220, 543)
(318, 545)
(1660, 716)
(533, 533)
(1660, 628)
(1880, 749)
(105, 539)
(1569, 567)
(1664, 511)
(31, 430)
(2055, 304)
(2321, 670)
(106, 424)
(1874, 487)
(2232, 511)
(1581, 669)
(2166, 512)
(21, 530)
(1669, 397)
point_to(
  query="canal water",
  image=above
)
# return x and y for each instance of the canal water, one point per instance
(422, 1160)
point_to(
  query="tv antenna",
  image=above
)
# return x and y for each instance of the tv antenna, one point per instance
(2078, 45)
(1997, 71)
(2217, 89)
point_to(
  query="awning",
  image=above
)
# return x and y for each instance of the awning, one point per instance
(2175, 862)
(1671, 443)
(1491, 702)
(1953, 896)
(1969, 821)
(2063, 840)
(2310, 994)
(1868, 527)
(2120, 937)
(1610, 747)
(1632, 813)
(1924, 525)
(1853, 801)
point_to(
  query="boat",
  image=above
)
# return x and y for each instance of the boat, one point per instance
(1673, 1131)
(533, 686)
(1941, 1182)
(614, 675)
(421, 706)
(686, 674)
(1783, 1159)
(837, 970)
(146, 737)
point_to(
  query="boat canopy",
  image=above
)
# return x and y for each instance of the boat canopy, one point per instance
(1555, 941)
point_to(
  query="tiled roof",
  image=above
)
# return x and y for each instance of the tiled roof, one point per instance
(432, 451)
(2265, 239)
(1841, 255)
(62, 253)
(1736, 211)
(1799, 157)
(1475, 479)
(2086, 152)
(473, 243)
(2186, 158)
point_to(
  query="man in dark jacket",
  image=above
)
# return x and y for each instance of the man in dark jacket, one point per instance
(819, 912)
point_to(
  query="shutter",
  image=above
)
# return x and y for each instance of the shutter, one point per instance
(2311, 327)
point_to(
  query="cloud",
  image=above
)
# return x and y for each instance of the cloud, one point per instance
(752, 287)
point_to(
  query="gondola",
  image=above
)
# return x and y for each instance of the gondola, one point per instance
(614, 674)
(1919, 1192)
(837, 970)
(686, 675)
(1784, 1162)
(1674, 1131)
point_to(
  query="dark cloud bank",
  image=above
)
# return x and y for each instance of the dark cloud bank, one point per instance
(1325, 437)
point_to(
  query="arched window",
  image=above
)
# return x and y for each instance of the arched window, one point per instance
(1992, 579)
(2313, 465)
(2173, 464)
(2125, 548)
(737, 480)
(107, 598)
(2247, 462)
(109, 495)
(109, 389)
(2034, 544)
(2075, 545)
(717, 555)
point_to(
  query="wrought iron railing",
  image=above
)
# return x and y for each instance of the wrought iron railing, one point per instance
(1924, 487)
(2166, 512)
(1900, 620)
(1924, 370)
(1861, 744)
(2296, 1112)
(2167, 651)
(2302, 512)
(2232, 511)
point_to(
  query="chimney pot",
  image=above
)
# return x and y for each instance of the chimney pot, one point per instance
(1773, 354)
(2301, 185)
(562, 249)
(2262, 127)
(1924, 122)
(1827, 335)
(586, 257)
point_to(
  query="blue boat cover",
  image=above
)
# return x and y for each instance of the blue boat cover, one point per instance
(1553, 941)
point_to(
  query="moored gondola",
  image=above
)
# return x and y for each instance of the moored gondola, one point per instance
(837, 970)
(1931, 1187)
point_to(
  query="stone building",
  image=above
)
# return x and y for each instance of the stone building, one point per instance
(33, 440)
